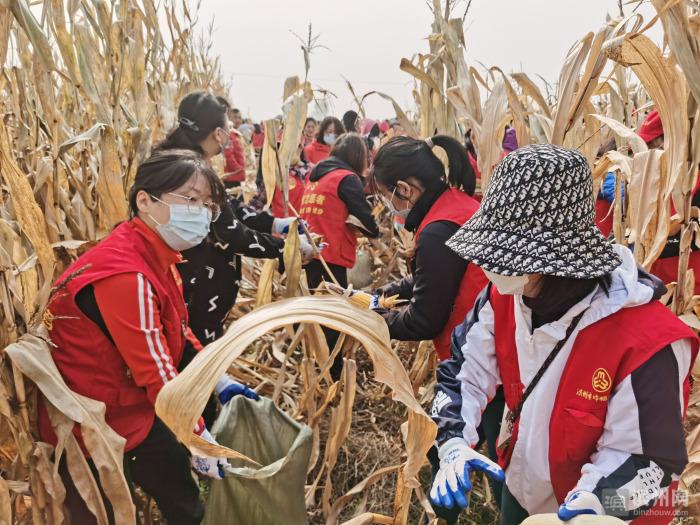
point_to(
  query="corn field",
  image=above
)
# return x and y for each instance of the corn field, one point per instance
(88, 87)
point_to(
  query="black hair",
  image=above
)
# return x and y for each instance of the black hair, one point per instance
(325, 124)
(168, 170)
(258, 128)
(351, 148)
(469, 143)
(374, 132)
(309, 119)
(404, 157)
(350, 121)
(610, 145)
(198, 115)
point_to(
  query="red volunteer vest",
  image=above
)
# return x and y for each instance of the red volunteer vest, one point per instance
(326, 214)
(296, 193)
(87, 360)
(592, 372)
(457, 207)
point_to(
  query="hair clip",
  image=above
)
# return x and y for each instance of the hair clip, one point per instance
(429, 142)
(187, 123)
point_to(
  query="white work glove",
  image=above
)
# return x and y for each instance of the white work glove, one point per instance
(374, 302)
(452, 484)
(580, 502)
(208, 466)
(281, 226)
(307, 250)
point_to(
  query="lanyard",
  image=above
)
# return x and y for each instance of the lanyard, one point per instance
(515, 414)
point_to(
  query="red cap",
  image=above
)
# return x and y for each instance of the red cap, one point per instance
(383, 126)
(652, 127)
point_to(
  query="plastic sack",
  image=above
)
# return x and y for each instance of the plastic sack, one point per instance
(274, 493)
(360, 275)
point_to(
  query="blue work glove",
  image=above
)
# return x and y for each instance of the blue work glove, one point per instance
(452, 485)
(206, 465)
(374, 302)
(227, 388)
(580, 502)
(281, 226)
(608, 188)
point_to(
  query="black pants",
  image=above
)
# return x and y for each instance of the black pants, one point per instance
(160, 465)
(488, 431)
(315, 273)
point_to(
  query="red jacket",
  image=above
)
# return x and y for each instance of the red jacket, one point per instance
(234, 159)
(132, 272)
(316, 152)
(603, 216)
(578, 415)
(457, 207)
(326, 213)
(258, 140)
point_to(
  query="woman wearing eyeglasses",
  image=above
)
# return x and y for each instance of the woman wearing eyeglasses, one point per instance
(118, 323)
(211, 270)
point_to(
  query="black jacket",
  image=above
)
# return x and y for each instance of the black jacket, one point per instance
(350, 191)
(211, 272)
(432, 286)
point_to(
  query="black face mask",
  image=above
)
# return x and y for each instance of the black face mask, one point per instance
(557, 295)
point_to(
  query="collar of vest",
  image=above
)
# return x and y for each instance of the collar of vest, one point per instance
(422, 207)
(164, 255)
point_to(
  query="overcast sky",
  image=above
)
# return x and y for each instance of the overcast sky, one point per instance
(366, 40)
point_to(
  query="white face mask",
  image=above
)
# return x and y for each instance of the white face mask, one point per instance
(396, 213)
(187, 227)
(329, 138)
(508, 284)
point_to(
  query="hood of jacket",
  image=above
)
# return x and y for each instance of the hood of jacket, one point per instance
(631, 286)
(326, 166)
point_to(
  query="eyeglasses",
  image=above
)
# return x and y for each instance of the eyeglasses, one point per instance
(213, 210)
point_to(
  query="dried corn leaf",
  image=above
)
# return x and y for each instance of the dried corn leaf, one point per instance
(667, 87)
(29, 214)
(490, 135)
(32, 356)
(406, 124)
(270, 167)
(292, 260)
(5, 504)
(264, 293)
(531, 90)
(622, 131)
(182, 400)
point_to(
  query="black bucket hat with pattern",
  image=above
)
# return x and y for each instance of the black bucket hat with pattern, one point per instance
(538, 216)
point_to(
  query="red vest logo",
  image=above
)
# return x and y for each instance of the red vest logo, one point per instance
(601, 381)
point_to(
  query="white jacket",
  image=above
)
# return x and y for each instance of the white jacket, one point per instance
(632, 453)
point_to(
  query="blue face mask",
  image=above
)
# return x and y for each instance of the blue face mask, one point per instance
(329, 138)
(188, 226)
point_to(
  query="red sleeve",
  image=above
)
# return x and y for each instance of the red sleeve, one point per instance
(238, 152)
(234, 157)
(193, 340)
(131, 312)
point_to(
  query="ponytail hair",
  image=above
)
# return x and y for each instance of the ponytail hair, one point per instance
(404, 157)
(198, 114)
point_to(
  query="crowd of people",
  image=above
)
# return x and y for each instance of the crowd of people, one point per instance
(560, 375)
